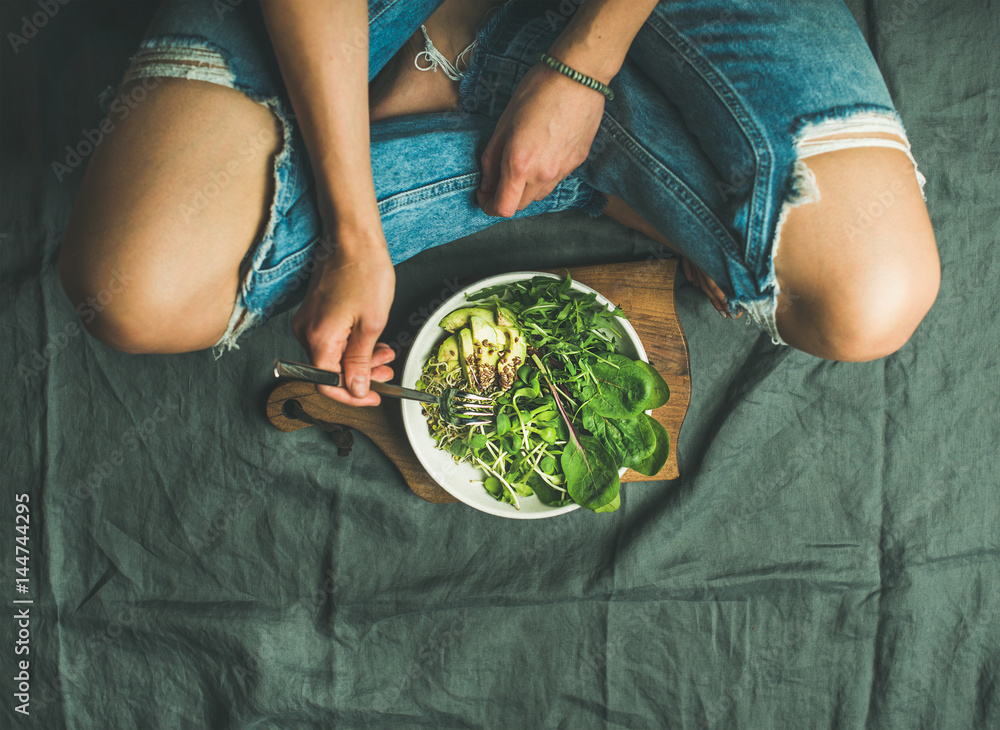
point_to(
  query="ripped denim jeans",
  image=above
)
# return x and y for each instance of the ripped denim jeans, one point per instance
(716, 108)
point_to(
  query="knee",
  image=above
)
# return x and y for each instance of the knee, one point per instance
(893, 314)
(123, 310)
(878, 318)
(99, 303)
(855, 289)
(862, 314)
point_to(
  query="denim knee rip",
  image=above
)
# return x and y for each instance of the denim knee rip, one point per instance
(193, 59)
(811, 139)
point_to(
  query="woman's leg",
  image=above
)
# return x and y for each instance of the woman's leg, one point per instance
(402, 88)
(849, 291)
(716, 141)
(715, 163)
(172, 200)
(858, 268)
(201, 185)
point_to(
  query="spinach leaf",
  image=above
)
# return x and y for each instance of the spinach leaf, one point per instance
(612, 505)
(591, 474)
(623, 387)
(660, 393)
(646, 443)
(605, 432)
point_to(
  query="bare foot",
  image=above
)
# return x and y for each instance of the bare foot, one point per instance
(618, 210)
(401, 88)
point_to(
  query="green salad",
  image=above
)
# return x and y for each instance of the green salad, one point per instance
(569, 408)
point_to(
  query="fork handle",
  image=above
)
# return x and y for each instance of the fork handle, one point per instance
(301, 371)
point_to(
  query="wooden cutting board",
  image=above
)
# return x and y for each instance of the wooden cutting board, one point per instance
(643, 289)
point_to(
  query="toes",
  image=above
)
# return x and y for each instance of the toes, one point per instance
(712, 290)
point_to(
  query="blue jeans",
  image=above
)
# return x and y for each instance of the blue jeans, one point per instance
(716, 107)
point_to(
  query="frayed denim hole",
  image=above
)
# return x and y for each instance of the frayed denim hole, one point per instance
(244, 318)
(484, 43)
(814, 136)
(469, 100)
(241, 321)
(811, 137)
(180, 57)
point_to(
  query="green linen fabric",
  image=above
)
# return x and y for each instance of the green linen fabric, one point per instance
(828, 558)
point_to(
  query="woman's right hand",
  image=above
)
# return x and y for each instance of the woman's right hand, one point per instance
(344, 312)
(321, 47)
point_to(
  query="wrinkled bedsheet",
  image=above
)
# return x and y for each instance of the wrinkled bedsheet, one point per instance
(828, 558)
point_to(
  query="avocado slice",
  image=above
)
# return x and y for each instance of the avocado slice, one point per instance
(487, 343)
(466, 355)
(448, 352)
(505, 317)
(460, 318)
(513, 357)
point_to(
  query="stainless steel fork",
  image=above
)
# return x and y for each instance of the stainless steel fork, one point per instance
(457, 407)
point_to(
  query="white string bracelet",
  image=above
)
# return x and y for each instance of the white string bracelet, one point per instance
(435, 60)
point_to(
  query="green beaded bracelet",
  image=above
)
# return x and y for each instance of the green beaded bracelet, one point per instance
(588, 81)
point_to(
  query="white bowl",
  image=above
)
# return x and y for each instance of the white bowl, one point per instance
(464, 481)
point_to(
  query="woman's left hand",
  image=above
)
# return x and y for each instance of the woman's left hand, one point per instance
(542, 136)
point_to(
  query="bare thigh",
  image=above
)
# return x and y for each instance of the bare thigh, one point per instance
(171, 202)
